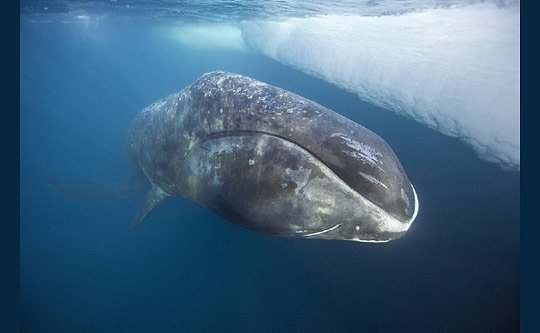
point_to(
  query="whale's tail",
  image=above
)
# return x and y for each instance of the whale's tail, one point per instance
(137, 183)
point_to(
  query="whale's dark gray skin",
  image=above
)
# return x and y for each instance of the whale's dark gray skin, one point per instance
(269, 160)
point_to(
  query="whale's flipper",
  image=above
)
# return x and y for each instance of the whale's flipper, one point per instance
(154, 197)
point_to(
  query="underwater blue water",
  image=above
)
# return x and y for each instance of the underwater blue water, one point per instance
(185, 269)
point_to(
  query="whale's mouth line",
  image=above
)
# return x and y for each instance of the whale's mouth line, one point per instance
(231, 133)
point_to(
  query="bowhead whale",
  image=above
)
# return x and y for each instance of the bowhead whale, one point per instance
(269, 160)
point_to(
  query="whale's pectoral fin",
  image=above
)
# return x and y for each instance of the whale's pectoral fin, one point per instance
(154, 197)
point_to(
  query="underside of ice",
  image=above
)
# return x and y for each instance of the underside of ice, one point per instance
(456, 70)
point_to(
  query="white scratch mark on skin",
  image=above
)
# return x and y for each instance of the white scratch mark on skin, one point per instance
(372, 179)
(361, 150)
(370, 240)
(323, 231)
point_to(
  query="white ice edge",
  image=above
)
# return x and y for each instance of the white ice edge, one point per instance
(456, 70)
(210, 36)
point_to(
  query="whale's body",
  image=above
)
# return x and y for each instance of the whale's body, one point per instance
(271, 161)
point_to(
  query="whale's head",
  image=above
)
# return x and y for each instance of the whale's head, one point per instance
(380, 204)
(272, 185)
